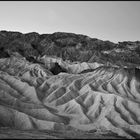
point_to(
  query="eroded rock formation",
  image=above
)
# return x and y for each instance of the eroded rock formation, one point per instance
(104, 99)
(70, 46)
(47, 92)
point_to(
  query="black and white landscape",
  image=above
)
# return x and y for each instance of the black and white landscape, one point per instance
(66, 82)
(69, 70)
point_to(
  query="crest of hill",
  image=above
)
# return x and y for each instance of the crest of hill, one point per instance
(70, 46)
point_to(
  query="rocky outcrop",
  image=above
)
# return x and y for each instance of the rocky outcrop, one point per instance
(70, 46)
(67, 66)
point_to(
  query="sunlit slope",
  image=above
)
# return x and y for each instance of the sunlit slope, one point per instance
(17, 65)
(71, 67)
(104, 99)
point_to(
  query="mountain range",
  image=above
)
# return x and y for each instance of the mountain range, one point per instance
(68, 85)
(70, 46)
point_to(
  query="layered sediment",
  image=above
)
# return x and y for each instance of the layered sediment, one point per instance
(104, 99)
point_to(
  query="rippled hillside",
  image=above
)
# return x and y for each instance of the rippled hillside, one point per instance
(55, 93)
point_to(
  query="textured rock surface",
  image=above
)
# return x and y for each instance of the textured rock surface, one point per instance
(106, 99)
(70, 46)
(98, 93)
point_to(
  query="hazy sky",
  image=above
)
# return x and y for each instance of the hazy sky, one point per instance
(106, 20)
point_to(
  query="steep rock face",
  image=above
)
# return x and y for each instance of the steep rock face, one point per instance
(70, 46)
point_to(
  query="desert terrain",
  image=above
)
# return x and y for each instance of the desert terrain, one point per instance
(65, 85)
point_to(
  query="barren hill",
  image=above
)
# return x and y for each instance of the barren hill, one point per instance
(70, 46)
(64, 82)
